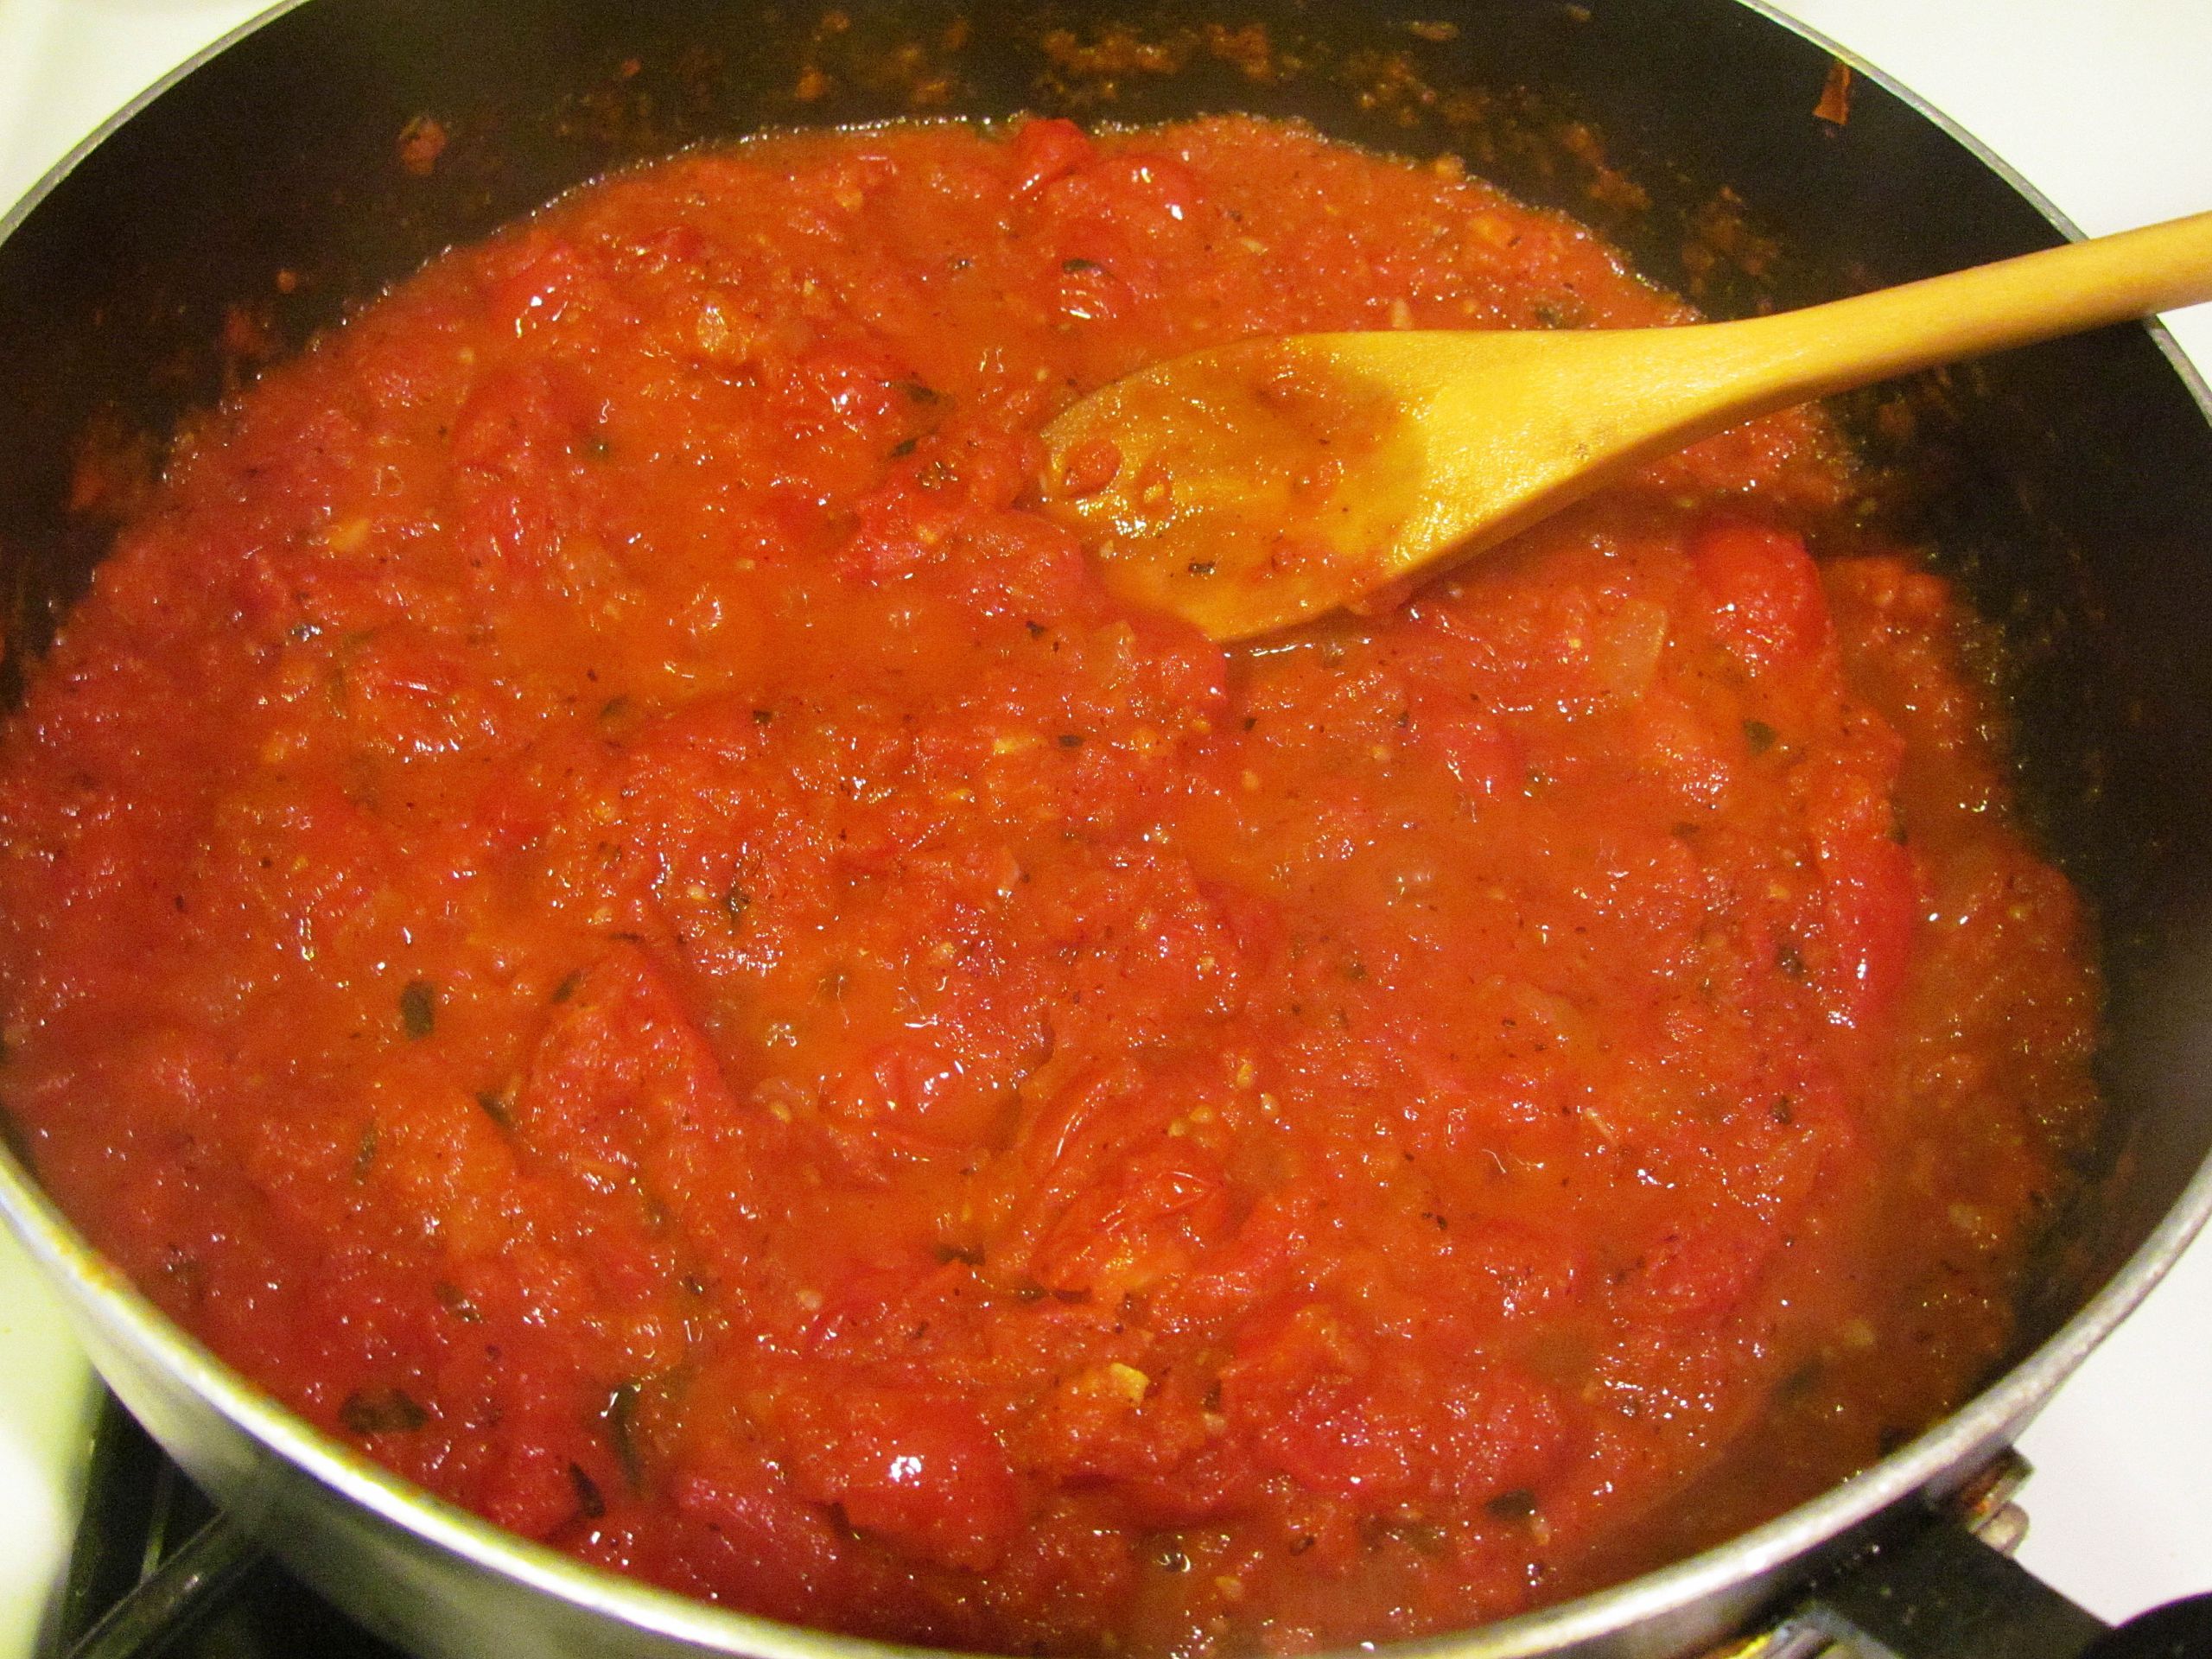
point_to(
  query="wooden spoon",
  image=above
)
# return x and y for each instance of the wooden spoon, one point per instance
(1255, 485)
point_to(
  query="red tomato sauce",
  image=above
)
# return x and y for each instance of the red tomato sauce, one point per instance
(596, 900)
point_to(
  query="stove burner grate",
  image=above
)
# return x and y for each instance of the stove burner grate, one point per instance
(157, 1570)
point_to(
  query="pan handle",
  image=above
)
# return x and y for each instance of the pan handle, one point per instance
(1952, 1591)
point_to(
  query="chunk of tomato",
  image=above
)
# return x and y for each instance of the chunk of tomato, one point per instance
(921, 1470)
(1045, 151)
(1768, 605)
(1869, 898)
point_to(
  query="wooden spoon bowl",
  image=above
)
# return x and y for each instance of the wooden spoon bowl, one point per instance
(1253, 486)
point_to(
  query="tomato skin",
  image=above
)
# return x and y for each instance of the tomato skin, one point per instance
(1342, 1418)
(1045, 151)
(918, 1469)
(753, 1529)
(1765, 593)
(1141, 1227)
(1482, 756)
(1300, 1381)
(621, 1071)
(517, 421)
(531, 1491)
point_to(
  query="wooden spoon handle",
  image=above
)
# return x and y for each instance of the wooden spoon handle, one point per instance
(1869, 337)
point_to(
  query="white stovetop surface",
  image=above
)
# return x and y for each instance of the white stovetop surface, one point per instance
(2100, 103)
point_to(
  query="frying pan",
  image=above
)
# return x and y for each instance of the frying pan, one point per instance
(2069, 489)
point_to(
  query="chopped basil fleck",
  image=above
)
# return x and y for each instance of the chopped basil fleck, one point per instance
(621, 1417)
(418, 1009)
(1519, 1504)
(589, 1504)
(381, 1411)
(456, 1301)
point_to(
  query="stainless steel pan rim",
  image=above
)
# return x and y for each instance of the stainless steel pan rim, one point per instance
(1749, 1568)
